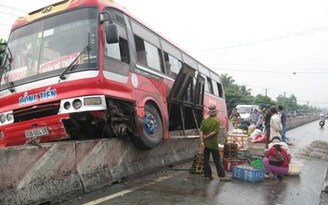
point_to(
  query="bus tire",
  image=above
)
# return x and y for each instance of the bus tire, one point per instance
(152, 129)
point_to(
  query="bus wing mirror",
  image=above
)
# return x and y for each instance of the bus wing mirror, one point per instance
(111, 33)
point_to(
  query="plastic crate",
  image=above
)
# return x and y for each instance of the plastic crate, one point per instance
(240, 139)
(248, 173)
(243, 153)
(230, 150)
(228, 163)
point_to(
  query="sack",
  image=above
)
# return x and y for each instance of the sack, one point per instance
(260, 138)
(276, 159)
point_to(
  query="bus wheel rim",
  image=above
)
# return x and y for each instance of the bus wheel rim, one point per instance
(150, 123)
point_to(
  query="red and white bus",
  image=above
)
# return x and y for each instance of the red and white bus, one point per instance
(81, 69)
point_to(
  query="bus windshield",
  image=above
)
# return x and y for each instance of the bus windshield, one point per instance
(46, 47)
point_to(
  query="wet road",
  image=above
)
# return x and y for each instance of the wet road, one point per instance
(176, 185)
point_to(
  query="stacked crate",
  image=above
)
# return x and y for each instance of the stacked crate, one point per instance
(232, 156)
(240, 139)
(230, 150)
(198, 164)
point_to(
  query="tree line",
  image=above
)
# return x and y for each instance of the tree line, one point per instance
(239, 94)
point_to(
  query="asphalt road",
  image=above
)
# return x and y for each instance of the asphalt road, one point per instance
(176, 185)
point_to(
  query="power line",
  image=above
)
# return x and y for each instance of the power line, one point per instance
(292, 35)
(5, 24)
(7, 13)
(271, 64)
(13, 8)
(270, 71)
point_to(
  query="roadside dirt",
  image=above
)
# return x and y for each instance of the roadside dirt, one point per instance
(317, 149)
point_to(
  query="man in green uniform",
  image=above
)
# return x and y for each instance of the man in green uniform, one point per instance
(209, 143)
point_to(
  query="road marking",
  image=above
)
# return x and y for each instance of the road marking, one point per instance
(112, 196)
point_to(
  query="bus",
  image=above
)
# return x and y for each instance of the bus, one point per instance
(83, 69)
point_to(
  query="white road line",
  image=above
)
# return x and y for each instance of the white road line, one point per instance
(112, 196)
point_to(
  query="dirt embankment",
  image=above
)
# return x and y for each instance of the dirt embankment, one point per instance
(317, 149)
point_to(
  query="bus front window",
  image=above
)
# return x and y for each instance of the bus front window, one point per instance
(46, 47)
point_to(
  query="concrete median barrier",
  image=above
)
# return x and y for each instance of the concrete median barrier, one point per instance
(56, 171)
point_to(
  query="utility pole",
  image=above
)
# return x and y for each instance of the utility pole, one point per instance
(266, 91)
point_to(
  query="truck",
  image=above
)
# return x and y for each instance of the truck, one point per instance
(246, 112)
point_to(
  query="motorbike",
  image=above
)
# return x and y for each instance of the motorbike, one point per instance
(322, 123)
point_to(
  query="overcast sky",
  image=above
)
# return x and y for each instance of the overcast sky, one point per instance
(275, 47)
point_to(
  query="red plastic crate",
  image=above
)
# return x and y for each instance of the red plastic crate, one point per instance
(230, 162)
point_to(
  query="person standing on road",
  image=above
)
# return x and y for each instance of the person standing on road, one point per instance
(260, 120)
(235, 116)
(267, 118)
(283, 118)
(275, 123)
(209, 143)
(255, 116)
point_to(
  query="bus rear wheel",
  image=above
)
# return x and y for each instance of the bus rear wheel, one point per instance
(152, 129)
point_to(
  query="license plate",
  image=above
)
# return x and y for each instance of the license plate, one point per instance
(36, 132)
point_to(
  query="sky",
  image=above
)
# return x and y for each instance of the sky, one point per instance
(275, 47)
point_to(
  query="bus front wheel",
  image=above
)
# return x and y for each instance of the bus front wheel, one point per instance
(152, 134)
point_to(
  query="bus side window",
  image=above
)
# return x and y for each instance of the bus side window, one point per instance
(220, 88)
(209, 85)
(120, 50)
(215, 88)
(172, 65)
(148, 54)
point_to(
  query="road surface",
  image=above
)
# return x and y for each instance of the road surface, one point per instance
(175, 185)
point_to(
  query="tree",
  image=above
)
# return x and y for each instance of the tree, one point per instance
(1, 52)
(289, 104)
(232, 98)
(263, 101)
(239, 94)
(227, 81)
(247, 97)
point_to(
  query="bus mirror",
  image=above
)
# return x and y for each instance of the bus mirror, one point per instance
(111, 33)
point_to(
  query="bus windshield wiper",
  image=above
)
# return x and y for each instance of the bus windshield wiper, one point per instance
(10, 84)
(74, 64)
(5, 67)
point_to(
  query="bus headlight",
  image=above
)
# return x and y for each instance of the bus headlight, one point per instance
(92, 101)
(2, 118)
(6, 118)
(82, 104)
(77, 104)
(67, 105)
(9, 117)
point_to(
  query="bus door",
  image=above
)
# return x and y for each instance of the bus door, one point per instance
(179, 105)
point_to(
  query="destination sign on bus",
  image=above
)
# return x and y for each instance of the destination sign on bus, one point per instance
(59, 63)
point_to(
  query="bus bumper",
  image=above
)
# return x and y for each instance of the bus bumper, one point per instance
(45, 129)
